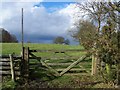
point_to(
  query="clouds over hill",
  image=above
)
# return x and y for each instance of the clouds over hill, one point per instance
(40, 24)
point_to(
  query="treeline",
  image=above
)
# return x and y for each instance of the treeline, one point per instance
(61, 40)
(6, 37)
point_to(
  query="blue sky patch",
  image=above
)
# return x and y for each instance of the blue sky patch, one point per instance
(53, 6)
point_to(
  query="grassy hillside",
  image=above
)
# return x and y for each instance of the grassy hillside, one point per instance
(41, 78)
(8, 48)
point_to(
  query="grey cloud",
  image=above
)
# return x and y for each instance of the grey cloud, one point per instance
(39, 25)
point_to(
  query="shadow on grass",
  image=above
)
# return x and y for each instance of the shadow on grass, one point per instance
(42, 74)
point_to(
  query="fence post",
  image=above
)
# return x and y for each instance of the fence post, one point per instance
(118, 75)
(21, 63)
(94, 65)
(12, 67)
(25, 63)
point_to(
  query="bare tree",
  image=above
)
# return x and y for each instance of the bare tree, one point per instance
(95, 11)
(101, 13)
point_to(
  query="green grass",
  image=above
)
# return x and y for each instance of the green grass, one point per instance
(42, 74)
(8, 48)
(7, 83)
(64, 81)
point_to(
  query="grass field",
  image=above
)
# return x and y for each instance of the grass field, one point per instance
(8, 48)
(45, 81)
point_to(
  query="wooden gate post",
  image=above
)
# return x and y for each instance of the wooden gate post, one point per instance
(118, 75)
(25, 63)
(94, 65)
(12, 67)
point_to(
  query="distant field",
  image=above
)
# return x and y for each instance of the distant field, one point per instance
(8, 48)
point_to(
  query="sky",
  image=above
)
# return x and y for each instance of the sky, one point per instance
(43, 20)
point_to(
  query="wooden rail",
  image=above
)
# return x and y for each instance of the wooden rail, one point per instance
(51, 66)
(73, 69)
(2, 57)
(58, 51)
(58, 64)
(8, 66)
(54, 58)
(72, 65)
